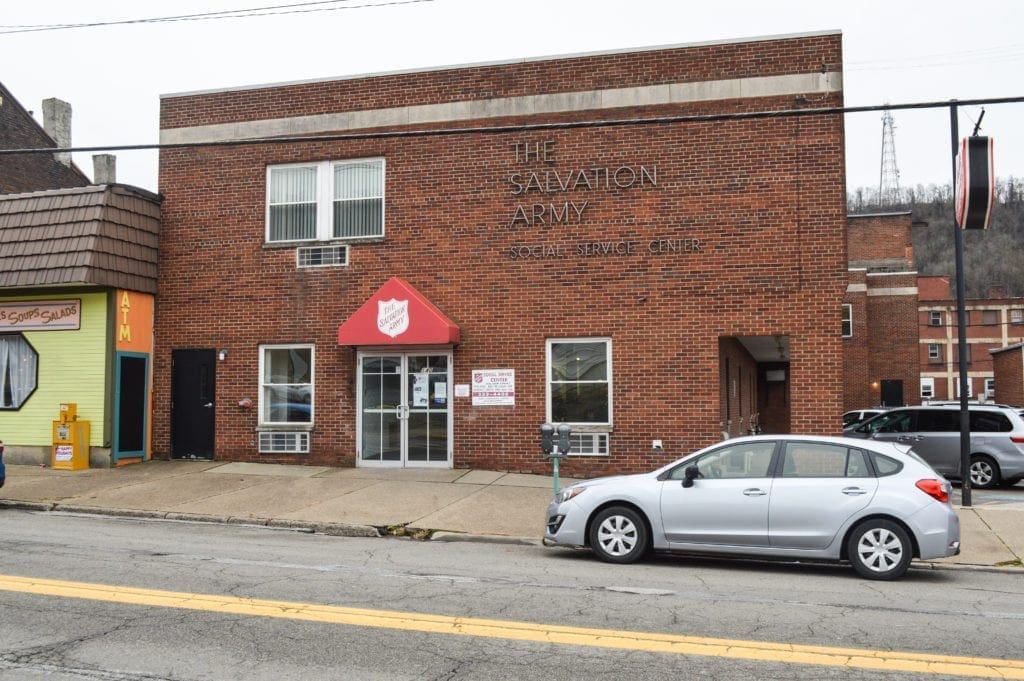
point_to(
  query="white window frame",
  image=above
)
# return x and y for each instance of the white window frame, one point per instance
(1017, 315)
(847, 322)
(295, 425)
(935, 318)
(956, 388)
(927, 388)
(934, 351)
(596, 432)
(990, 386)
(325, 201)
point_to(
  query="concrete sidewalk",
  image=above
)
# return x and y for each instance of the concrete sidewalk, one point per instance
(443, 504)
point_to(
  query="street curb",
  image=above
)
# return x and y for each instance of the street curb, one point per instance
(966, 567)
(446, 536)
(332, 529)
(355, 530)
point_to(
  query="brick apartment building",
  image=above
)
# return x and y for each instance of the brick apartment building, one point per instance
(880, 334)
(993, 323)
(423, 267)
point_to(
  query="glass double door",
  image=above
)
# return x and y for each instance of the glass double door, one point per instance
(405, 410)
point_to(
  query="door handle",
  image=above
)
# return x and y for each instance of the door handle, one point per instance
(754, 492)
(854, 491)
(208, 405)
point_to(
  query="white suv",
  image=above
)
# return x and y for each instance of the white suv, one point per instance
(933, 432)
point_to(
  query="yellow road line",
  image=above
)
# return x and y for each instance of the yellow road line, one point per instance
(528, 631)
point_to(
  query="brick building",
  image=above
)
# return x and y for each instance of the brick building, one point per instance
(1008, 367)
(19, 130)
(423, 267)
(992, 323)
(880, 334)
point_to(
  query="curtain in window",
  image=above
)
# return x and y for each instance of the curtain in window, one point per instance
(17, 371)
(292, 203)
(359, 199)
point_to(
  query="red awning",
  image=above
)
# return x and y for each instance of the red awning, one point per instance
(398, 314)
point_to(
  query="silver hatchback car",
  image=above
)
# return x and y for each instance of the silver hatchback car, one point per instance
(788, 496)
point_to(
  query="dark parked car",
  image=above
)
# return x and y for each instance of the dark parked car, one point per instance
(933, 433)
(3, 470)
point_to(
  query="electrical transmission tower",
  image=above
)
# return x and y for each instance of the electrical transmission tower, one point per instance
(889, 176)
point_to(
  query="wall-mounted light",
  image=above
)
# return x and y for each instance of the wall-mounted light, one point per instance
(874, 385)
(222, 355)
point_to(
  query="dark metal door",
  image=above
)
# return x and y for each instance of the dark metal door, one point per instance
(192, 403)
(892, 393)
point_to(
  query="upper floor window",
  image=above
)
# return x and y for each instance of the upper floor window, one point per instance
(847, 320)
(580, 381)
(324, 201)
(934, 353)
(935, 318)
(990, 317)
(19, 370)
(1017, 316)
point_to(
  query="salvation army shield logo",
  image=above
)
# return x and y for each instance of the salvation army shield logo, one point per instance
(392, 317)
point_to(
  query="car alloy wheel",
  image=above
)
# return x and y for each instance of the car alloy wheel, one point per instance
(879, 549)
(618, 535)
(984, 473)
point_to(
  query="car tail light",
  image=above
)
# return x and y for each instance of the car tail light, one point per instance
(936, 489)
(1017, 439)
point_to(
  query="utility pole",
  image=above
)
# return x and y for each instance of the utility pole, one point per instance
(961, 328)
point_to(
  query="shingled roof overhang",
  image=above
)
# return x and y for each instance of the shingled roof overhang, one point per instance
(101, 235)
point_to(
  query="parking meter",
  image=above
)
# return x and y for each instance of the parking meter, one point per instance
(553, 449)
(564, 430)
(547, 438)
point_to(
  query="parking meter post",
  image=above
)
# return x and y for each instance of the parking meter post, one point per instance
(554, 461)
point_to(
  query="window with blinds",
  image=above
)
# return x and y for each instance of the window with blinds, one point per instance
(332, 200)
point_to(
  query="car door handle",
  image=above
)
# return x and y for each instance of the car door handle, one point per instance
(854, 491)
(754, 492)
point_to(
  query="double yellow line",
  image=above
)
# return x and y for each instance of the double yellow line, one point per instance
(528, 631)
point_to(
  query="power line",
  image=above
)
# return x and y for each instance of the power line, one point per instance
(527, 127)
(271, 10)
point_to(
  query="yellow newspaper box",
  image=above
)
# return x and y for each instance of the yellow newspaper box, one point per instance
(70, 440)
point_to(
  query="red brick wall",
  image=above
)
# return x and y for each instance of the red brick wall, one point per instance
(764, 197)
(885, 343)
(739, 395)
(29, 172)
(878, 237)
(1009, 374)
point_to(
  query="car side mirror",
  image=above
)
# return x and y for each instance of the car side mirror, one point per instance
(689, 473)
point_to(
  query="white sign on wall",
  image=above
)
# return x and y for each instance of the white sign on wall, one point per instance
(494, 387)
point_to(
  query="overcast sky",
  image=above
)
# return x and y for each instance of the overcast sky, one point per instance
(894, 51)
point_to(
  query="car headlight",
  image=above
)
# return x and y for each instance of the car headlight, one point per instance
(569, 493)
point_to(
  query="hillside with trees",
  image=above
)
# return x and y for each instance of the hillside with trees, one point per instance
(992, 258)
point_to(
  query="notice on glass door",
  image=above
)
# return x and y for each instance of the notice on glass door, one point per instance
(494, 387)
(420, 390)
